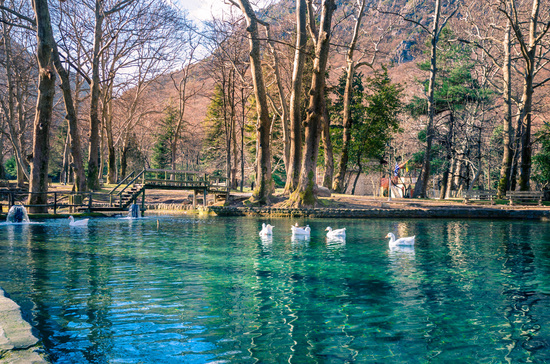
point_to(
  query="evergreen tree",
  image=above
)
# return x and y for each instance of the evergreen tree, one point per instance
(375, 107)
(215, 143)
(541, 172)
(162, 155)
(455, 89)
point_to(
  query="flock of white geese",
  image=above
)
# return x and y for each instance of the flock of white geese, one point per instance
(302, 231)
(305, 231)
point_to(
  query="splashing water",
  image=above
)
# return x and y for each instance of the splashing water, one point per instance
(17, 214)
(134, 211)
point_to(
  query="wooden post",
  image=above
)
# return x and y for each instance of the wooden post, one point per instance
(55, 203)
(143, 203)
(90, 203)
(194, 199)
(10, 200)
(204, 201)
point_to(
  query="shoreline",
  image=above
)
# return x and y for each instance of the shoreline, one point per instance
(453, 212)
(343, 206)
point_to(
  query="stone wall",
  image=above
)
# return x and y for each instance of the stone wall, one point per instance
(17, 342)
(384, 212)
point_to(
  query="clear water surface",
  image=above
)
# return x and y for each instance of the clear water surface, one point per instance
(210, 290)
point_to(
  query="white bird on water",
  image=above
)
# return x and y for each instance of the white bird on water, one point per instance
(83, 222)
(296, 230)
(267, 230)
(337, 233)
(408, 241)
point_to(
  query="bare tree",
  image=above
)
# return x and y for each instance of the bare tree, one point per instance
(295, 137)
(184, 94)
(264, 183)
(38, 184)
(350, 72)
(19, 93)
(438, 25)
(491, 34)
(305, 193)
(530, 30)
(101, 12)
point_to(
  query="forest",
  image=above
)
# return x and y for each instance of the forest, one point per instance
(298, 95)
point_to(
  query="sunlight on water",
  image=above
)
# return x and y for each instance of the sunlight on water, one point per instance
(213, 291)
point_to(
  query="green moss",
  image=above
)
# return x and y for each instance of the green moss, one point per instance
(502, 186)
(307, 197)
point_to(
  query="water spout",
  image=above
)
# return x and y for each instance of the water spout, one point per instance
(134, 211)
(17, 214)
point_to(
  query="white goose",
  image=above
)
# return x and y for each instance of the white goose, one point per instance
(338, 233)
(267, 230)
(296, 230)
(408, 241)
(83, 222)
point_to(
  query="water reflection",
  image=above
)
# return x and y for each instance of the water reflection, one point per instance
(207, 290)
(402, 251)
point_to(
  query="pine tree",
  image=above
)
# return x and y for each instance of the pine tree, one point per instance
(161, 157)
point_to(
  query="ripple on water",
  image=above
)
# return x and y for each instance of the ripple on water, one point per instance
(210, 290)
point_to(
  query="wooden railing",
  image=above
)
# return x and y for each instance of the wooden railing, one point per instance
(167, 178)
(55, 200)
(122, 192)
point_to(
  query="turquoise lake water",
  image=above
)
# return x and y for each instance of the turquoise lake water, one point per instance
(210, 290)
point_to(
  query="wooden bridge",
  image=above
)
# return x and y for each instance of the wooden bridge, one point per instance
(129, 191)
(135, 184)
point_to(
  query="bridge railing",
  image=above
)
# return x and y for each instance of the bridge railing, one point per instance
(169, 177)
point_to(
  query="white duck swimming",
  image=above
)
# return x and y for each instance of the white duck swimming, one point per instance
(408, 241)
(267, 230)
(296, 230)
(338, 233)
(83, 222)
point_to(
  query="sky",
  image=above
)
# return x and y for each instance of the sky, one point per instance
(201, 10)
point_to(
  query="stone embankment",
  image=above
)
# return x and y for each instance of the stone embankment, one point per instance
(17, 342)
(387, 212)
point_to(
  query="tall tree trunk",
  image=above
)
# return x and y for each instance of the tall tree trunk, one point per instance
(282, 100)
(264, 182)
(348, 97)
(305, 194)
(527, 98)
(2, 169)
(94, 144)
(508, 132)
(295, 149)
(449, 146)
(243, 121)
(529, 46)
(450, 178)
(358, 173)
(422, 182)
(72, 122)
(347, 123)
(111, 151)
(123, 162)
(233, 146)
(16, 136)
(327, 148)
(38, 184)
(64, 177)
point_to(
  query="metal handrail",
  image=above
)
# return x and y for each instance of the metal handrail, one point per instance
(121, 182)
(127, 185)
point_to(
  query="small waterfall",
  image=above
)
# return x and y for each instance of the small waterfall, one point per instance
(17, 213)
(134, 211)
